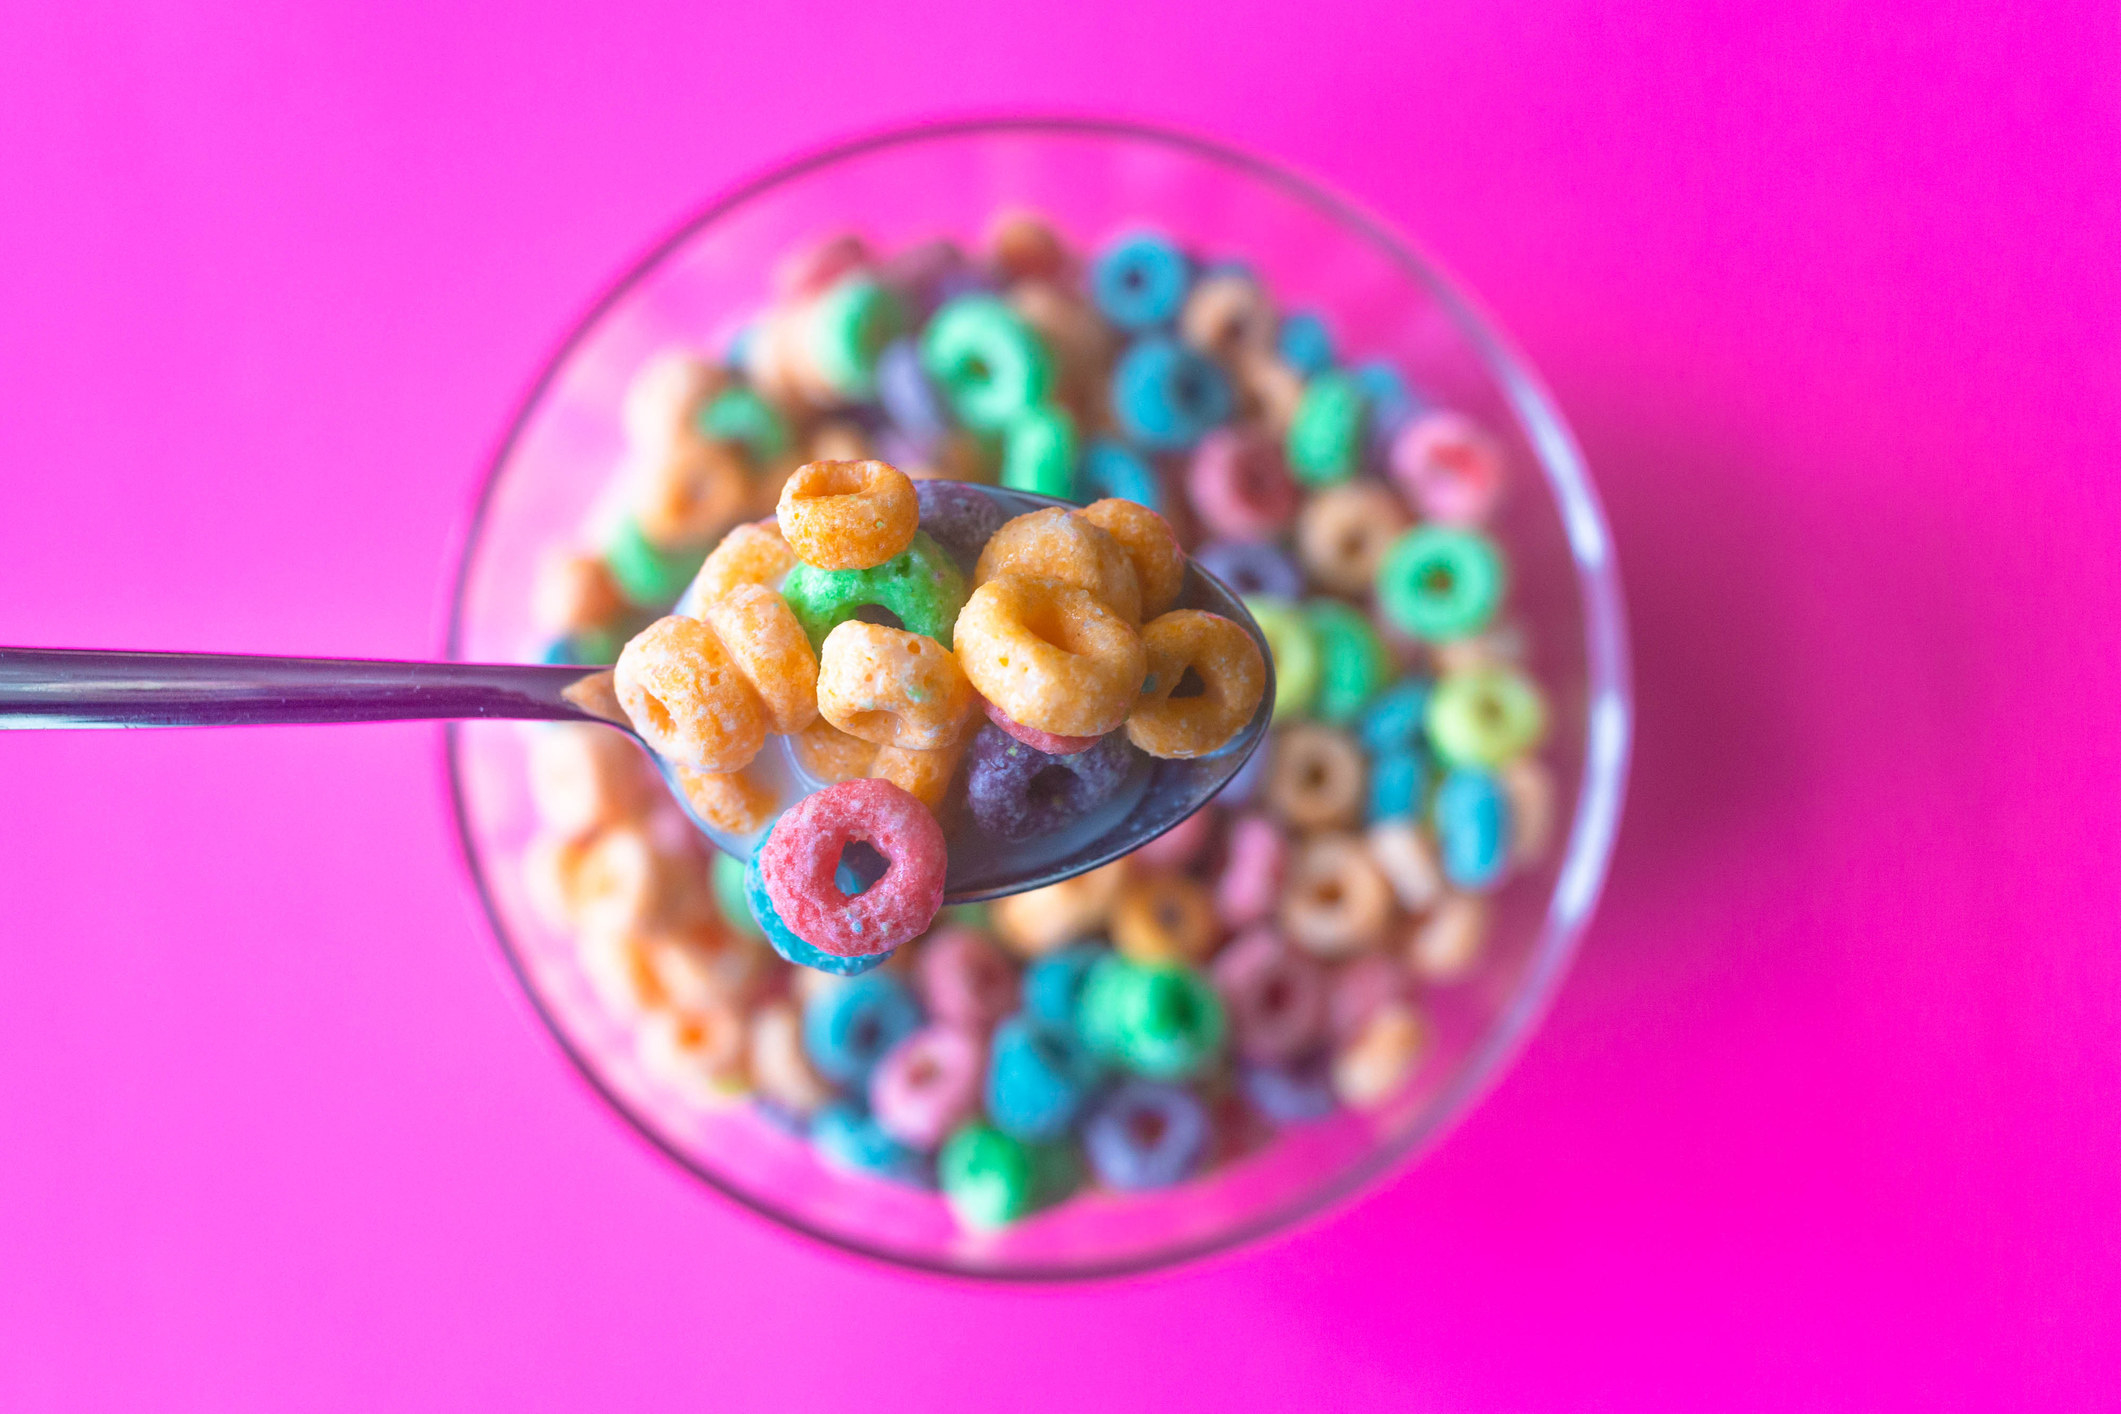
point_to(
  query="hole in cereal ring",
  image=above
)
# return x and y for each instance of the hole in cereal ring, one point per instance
(658, 714)
(863, 1036)
(978, 370)
(924, 1072)
(879, 615)
(1049, 787)
(1145, 1127)
(1275, 995)
(1436, 580)
(861, 861)
(1327, 894)
(1191, 684)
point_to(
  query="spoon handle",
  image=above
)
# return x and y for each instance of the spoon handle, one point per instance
(72, 687)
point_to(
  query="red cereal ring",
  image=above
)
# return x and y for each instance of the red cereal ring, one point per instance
(802, 856)
(1051, 743)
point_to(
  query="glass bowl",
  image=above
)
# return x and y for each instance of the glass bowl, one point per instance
(1092, 180)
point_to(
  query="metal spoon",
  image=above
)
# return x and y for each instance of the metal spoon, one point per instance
(70, 687)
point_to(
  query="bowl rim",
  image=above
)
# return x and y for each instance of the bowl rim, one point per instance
(1609, 717)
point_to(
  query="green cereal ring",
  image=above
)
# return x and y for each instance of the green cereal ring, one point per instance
(1294, 646)
(921, 584)
(1440, 584)
(1326, 435)
(740, 415)
(650, 577)
(1038, 453)
(991, 1180)
(849, 326)
(990, 364)
(729, 899)
(1354, 665)
(1485, 716)
(1161, 1020)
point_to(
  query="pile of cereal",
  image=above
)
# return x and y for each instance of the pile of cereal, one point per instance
(1260, 965)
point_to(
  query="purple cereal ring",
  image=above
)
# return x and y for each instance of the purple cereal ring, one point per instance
(1251, 568)
(1240, 487)
(965, 980)
(800, 864)
(1250, 885)
(1275, 997)
(1016, 792)
(927, 1085)
(959, 518)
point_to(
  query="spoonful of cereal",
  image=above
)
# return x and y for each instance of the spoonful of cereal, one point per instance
(886, 697)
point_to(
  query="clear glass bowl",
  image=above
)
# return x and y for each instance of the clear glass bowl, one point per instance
(1092, 180)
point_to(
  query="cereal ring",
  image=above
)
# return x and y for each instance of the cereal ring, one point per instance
(1440, 584)
(1294, 646)
(1038, 452)
(1038, 921)
(1022, 245)
(1054, 983)
(684, 695)
(1403, 854)
(699, 1054)
(617, 970)
(1485, 717)
(847, 327)
(1037, 740)
(1038, 1079)
(1112, 470)
(622, 880)
(1239, 485)
(782, 939)
(664, 398)
(835, 440)
(1344, 532)
(1156, 1019)
(752, 553)
(893, 687)
(924, 775)
(1448, 469)
(1181, 846)
(584, 776)
(1150, 546)
(908, 397)
(1335, 901)
(1272, 391)
(849, 1028)
(1529, 787)
(961, 519)
(1293, 1093)
(760, 633)
(1448, 942)
(1276, 997)
(1472, 817)
(726, 883)
(1050, 655)
(964, 980)
(1250, 884)
(1227, 317)
(1082, 343)
(729, 801)
(813, 268)
(1399, 781)
(846, 1136)
(744, 417)
(1165, 918)
(848, 515)
(1361, 987)
(1353, 663)
(689, 491)
(990, 364)
(1373, 1067)
(1146, 1136)
(1304, 343)
(922, 587)
(828, 755)
(990, 1180)
(1392, 403)
(779, 1067)
(1166, 397)
(1315, 780)
(646, 573)
(573, 592)
(1056, 543)
(702, 964)
(1252, 569)
(1396, 717)
(1326, 437)
(1016, 793)
(801, 859)
(927, 1085)
(1233, 677)
(1140, 281)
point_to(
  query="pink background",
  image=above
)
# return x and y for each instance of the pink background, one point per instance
(1827, 1115)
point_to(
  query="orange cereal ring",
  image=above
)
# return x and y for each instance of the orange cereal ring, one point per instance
(1152, 548)
(1165, 918)
(1056, 543)
(1233, 676)
(1345, 530)
(689, 492)
(1334, 901)
(752, 553)
(893, 687)
(924, 775)
(759, 631)
(684, 695)
(1316, 777)
(728, 800)
(848, 515)
(1050, 655)
(1039, 921)
(828, 755)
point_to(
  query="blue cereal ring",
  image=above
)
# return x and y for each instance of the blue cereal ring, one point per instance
(1145, 1135)
(1110, 468)
(1039, 1077)
(1166, 396)
(782, 939)
(847, 1029)
(1472, 817)
(1395, 717)
(1140, 281)
(1304, 343)
(1392, 403)
(1054, 984)
(1397, 782)
(848, 1137)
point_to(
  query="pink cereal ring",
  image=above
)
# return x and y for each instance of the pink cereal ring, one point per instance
(1249, 887)
(1447, 468)
(928, 1085)
(1048, 742)
(1240, 487)
(1275, 996)
(802, 856)
(964, 979)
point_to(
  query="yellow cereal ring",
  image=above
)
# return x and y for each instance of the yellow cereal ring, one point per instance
(1050, 655)
(848, 515)
(684, 695)
(1233, 675)
(1151, 546)
(924, 775)
(1165, 918)
(1059, 544)
(727, 800)
(689, 492)
(893, 687)
(760, 633)
(828, 755)
(752, 553)
(574, 591)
